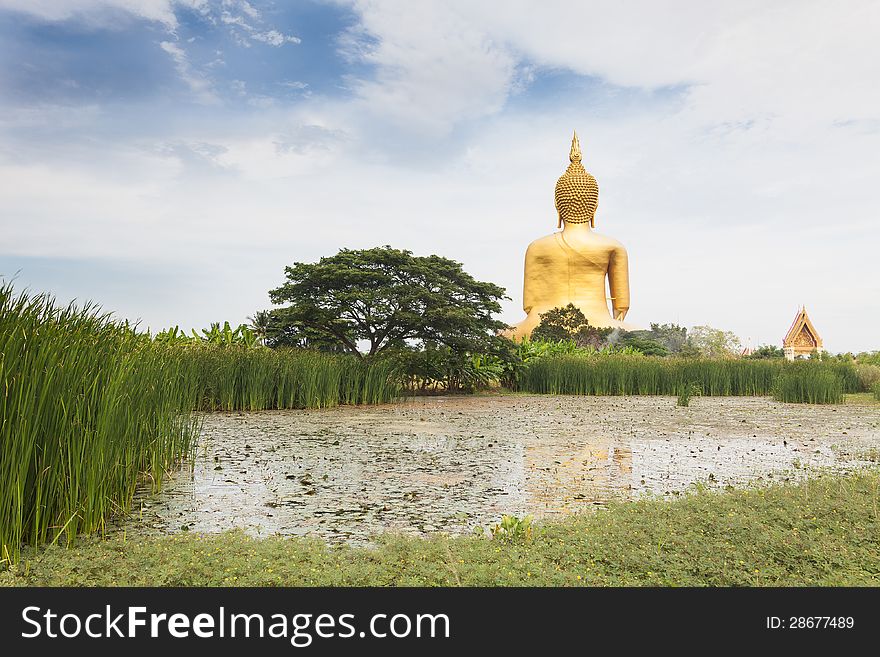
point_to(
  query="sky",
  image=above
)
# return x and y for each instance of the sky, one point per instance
(168, 158)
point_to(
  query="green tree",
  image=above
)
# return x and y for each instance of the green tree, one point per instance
(385, 298)
(688, 350)
(868, 358)
(569, 323)
(714, 343)
(282, 332)
(259, 325)
(661, 340)
(647, 346)
(767, 351)
(672, 336)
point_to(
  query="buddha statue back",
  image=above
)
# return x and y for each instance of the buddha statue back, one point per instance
(570, 266)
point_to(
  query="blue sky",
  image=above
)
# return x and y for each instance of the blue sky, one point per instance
(168, 158)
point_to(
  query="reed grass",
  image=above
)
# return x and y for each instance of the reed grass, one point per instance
(89, 408)
(804, 383)
(876, 390)
(685, 392)
(809, 382)
(238, 378)
(641, 375)
(845, 370)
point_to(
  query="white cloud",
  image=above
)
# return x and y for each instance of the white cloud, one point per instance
(100, 13)
(793, 62)
(275, 38)
(161, 11)
(749, 193)
(271, 37)
(434, 68)
(198, 83)
(244, 6)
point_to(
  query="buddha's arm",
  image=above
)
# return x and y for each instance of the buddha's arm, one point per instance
(618, 282)
(528, 288)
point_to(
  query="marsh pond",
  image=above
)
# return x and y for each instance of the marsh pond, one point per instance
(452, 463)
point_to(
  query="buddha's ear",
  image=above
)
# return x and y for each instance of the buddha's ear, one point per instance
(559, 219)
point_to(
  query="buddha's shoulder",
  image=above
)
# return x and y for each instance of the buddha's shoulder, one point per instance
(552, 242)
(548, 242)
(610, 241)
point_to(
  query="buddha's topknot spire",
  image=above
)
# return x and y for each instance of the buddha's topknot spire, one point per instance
(577, 194)
(575, 154)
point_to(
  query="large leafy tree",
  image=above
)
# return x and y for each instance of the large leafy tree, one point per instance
(672, 336)
(569, 323)
(384, 297)
(647, 346)
(714, 343)
(661, 340)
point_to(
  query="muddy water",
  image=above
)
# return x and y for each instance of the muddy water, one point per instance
(452, 463)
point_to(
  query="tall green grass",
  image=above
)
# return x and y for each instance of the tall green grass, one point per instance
(237, 378)
(639, 375)
(88, 408)
(807, 383)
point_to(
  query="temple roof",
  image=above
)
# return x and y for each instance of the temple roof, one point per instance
(800, 323)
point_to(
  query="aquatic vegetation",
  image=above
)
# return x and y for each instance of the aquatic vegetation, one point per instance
(90, 406)
(232, 379)
(804, 383)
(685, 392)
(642, 375)
(523, 352)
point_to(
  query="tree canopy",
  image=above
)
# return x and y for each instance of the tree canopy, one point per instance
(569, 323)
(661, 340)
(714, 343)
(767, 351)
(384, 297)
(647, 346)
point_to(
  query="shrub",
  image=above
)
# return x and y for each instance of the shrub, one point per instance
(869, 375)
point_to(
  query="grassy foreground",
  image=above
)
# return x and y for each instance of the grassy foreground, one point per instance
(821, 531)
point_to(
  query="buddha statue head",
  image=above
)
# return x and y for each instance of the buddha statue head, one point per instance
(577, 193)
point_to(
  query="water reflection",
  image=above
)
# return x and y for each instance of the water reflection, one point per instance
(449, 464)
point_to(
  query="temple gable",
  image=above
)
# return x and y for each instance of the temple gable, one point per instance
(802, 338)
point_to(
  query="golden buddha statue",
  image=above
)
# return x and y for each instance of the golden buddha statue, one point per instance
(570, 266)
